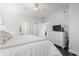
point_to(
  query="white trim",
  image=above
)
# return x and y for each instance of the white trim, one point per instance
(73, 51)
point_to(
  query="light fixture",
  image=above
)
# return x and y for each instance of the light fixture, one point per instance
(37, 7)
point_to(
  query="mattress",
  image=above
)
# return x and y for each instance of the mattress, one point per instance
(29, 45)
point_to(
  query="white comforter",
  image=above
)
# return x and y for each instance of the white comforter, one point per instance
(29, 45)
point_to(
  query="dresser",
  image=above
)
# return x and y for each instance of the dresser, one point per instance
(59, 38)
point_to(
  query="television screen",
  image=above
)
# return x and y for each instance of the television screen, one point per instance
(57, 28)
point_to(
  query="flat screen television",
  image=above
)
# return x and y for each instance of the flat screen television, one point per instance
(57, 28)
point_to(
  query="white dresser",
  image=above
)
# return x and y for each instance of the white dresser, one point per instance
(58, 38)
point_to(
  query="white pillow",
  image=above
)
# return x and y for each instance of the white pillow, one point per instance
(12, 32)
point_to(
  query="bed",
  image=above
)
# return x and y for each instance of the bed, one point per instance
(29, 45)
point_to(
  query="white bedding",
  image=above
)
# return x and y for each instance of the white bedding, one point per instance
(29, 45)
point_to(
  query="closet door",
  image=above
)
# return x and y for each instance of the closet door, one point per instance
(35, 29)
(25, 28)
(42, 30)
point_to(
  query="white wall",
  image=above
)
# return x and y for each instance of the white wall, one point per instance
(13, 21)
(1, 15)
(74, 28)
(59, 17)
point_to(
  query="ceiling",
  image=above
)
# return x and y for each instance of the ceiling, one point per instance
(27, 8)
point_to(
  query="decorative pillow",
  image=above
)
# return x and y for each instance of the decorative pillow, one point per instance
(4, 37)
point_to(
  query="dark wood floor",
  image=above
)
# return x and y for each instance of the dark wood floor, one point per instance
(65, 51)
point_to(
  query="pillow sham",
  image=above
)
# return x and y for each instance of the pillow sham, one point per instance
(4, 37)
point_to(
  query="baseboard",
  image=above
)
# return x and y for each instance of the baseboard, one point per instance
(73, 51)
